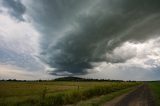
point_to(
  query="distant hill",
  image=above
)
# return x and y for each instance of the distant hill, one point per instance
(84, 79)
(70, 79)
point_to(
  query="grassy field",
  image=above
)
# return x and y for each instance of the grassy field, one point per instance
(155, 87)
(55, 93)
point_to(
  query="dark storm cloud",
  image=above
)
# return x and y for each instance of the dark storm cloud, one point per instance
(15, 8)
(77, 33)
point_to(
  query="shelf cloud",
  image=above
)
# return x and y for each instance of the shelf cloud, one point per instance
(75, 33)
(77, 37)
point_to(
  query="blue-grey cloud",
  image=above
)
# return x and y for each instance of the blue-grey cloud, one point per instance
(15, 8)
(21, 60)
(77, 33)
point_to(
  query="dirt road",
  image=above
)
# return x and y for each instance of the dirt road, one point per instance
(139, 97)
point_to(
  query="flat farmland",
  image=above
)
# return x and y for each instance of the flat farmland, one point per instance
(56, 92)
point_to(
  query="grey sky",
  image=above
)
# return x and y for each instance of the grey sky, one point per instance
(76, 37)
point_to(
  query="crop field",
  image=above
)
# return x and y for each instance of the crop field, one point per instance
(56, 93)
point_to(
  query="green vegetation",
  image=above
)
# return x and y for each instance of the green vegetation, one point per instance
(55, 93)
(101, 100)
(155, 87)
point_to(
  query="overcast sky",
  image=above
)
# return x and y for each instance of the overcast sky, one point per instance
(111, 39)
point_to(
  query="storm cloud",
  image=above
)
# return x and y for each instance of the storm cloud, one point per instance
(76, 34)
(117, 39)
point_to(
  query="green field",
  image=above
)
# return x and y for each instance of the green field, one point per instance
(155, 87)
(57, 92)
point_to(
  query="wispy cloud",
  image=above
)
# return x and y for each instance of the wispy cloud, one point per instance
(19, 47)
(14, 7)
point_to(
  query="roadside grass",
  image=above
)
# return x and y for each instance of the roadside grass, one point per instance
(55, 93)
(155, 87)
(101, 100)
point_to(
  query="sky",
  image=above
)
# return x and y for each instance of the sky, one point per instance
(104, 39)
